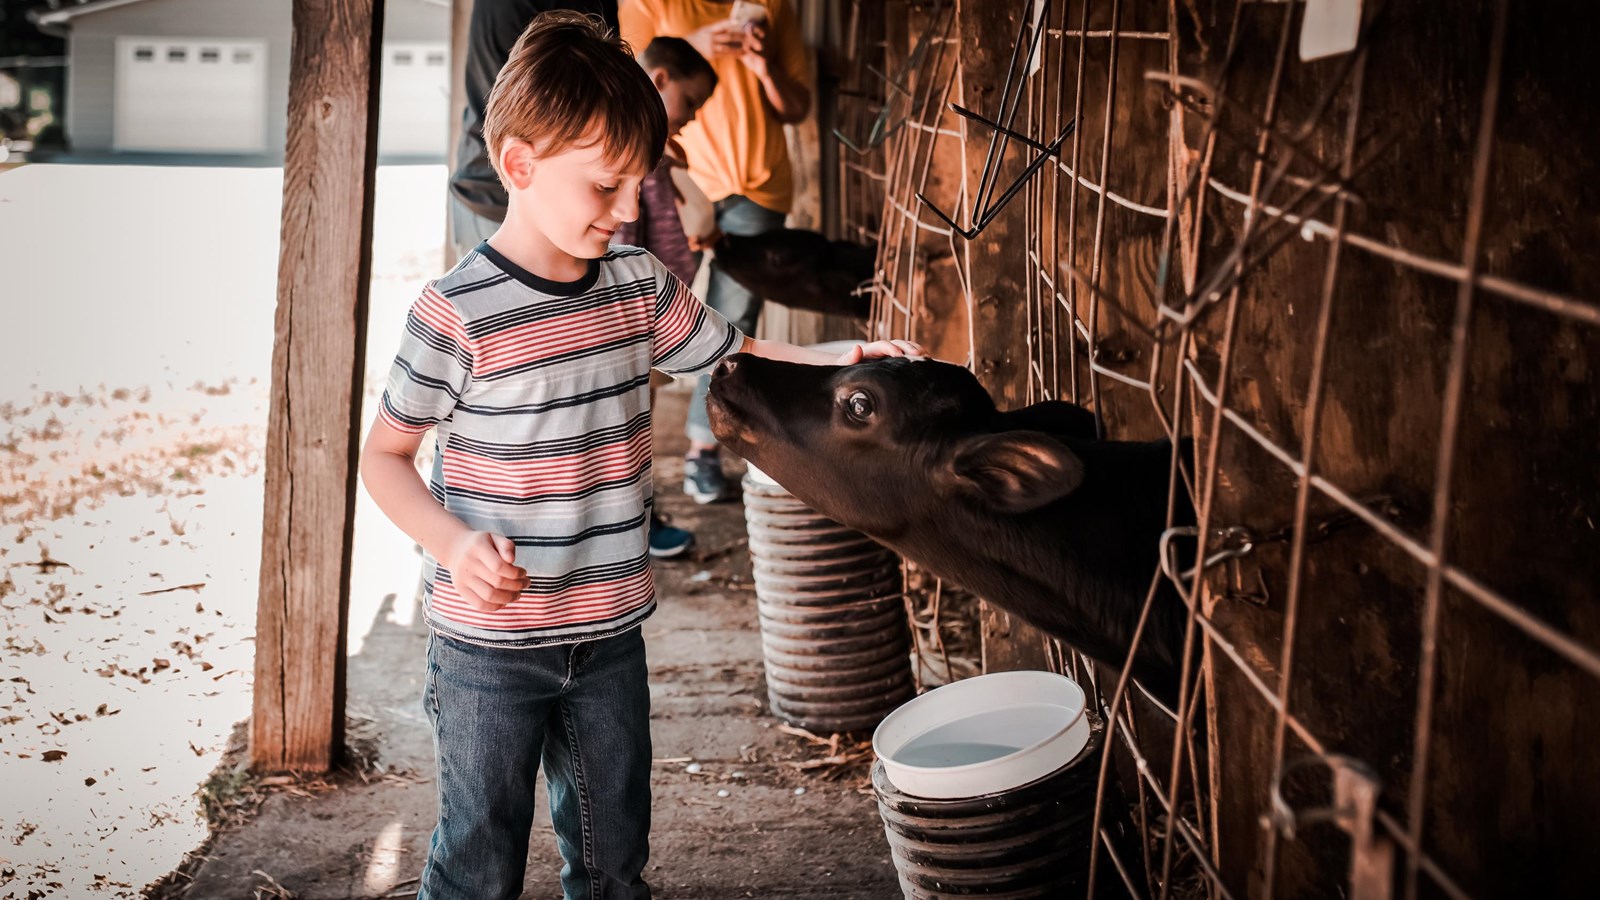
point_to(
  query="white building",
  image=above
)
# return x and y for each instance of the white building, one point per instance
(212, 76)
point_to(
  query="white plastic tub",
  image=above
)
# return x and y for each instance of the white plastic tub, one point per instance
(983, 735)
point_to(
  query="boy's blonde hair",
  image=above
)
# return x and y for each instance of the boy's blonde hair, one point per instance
(568, 78)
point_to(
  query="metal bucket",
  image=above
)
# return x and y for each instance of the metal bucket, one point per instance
(833, 626)
(1031, 841)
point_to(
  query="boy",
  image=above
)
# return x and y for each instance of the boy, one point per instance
(477, 198)
(532, 358)
(684, 80)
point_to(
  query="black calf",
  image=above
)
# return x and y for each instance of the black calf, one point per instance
(800, 269)
(1025, 507)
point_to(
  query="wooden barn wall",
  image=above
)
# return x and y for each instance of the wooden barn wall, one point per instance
(921, 294)
(1508, 785)
(1423, 604)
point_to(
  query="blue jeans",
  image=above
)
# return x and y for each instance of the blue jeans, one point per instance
(735, 215)
(583, 711)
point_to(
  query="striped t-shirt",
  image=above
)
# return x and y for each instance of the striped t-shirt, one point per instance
(540, 392)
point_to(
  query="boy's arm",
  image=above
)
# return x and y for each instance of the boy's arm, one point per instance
(807, 356)
(690, 338)
(482, 564)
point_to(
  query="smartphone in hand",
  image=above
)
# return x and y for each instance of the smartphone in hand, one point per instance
(748, 12)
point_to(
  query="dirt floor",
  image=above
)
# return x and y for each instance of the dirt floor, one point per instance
(132, 416)
(130, 523)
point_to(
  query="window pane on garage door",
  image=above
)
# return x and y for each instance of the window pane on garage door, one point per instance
(414, 107)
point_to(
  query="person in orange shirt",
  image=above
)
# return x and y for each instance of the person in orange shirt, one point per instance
(737, 154)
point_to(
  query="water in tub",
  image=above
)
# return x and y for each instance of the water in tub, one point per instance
(985, 736)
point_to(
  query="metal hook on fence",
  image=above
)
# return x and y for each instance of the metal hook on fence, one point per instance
(1353, 810)
(1231, 542)
(873, 285)
(1343, 769)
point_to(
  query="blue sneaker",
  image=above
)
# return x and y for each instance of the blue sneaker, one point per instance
(703, 479)
(667, 540)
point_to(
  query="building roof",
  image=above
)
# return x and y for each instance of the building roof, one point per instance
(60, 12)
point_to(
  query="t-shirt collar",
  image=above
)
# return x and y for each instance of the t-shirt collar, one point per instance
(543, 285)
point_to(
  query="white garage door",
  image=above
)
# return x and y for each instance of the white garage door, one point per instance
(414, 102)
(188, 94)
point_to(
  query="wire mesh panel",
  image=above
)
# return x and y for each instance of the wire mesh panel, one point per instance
(919, 295)
(1387, 331)
(857, 99)
(1364, 285)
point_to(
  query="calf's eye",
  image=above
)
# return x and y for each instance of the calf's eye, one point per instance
(859, 406)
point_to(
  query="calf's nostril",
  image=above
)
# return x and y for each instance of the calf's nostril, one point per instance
(724, 368)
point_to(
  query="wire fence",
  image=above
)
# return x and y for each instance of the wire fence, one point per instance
(1333, 276)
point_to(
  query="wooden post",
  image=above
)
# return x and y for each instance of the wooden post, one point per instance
(324, 270)
(998, 266)
(804, 137)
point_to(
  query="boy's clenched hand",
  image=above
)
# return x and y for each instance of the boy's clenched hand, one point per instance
(483, 566)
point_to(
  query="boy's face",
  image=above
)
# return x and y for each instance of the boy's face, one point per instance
(682, 97)
(577, 199)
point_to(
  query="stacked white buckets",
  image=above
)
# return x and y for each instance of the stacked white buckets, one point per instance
(834, 639)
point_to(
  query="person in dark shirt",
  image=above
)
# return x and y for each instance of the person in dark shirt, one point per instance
(477, 200)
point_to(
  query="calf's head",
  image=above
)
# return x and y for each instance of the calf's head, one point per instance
(800, 269)
(884, 443)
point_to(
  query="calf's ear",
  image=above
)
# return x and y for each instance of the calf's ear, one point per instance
(1014, 471)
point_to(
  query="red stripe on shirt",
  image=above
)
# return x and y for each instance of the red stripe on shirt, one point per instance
(433, 309)
(588, 603)
(522, 344)
(523, 479)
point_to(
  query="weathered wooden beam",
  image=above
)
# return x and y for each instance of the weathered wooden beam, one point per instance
(998, 256)
(324, 269)
(1504, 796)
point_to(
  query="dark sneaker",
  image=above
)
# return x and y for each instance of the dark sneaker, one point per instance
(703, 479)
(667, 540)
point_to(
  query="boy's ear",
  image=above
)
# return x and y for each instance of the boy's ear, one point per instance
(516, 162)
(659, 77)
(1013, 471)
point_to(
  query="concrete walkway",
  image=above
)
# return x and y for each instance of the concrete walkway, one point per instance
(779, 832)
